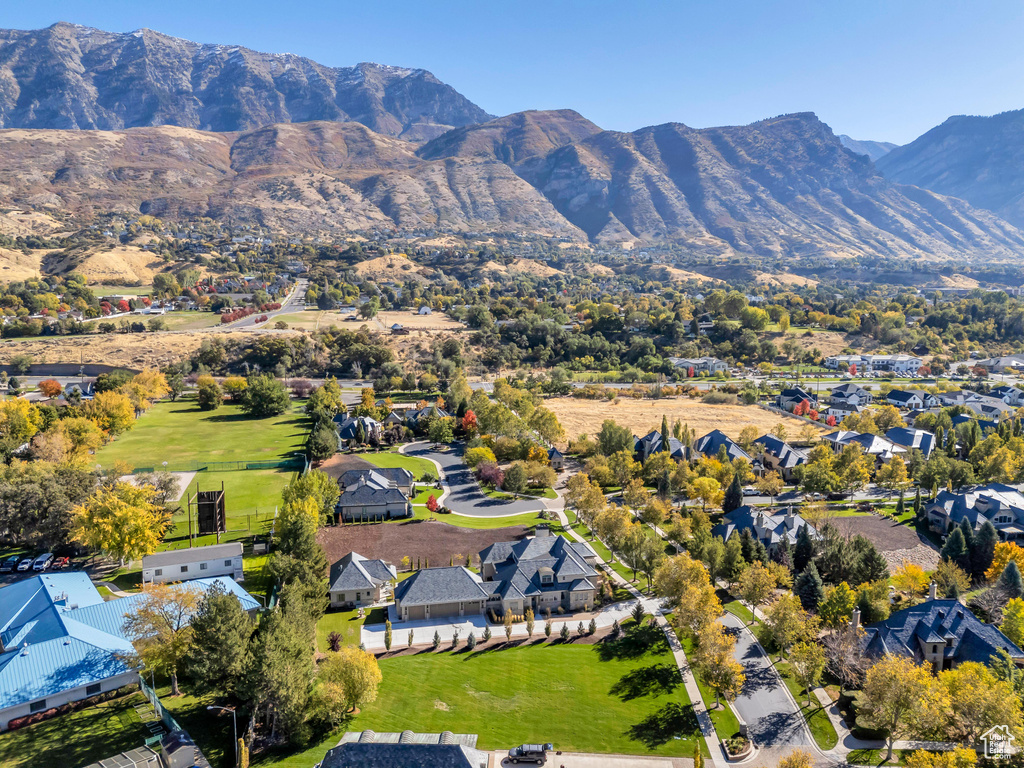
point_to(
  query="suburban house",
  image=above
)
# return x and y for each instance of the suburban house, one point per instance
(368, 749)
(1000, 364)
(349, 428)
(908, 438)
(790, 398)
(714, 441)
(651, 443)
(61, 642)
(850, 394)
(1001, 505)
(543, 573)
(371, 496)
(1008, 394)
(194, 563)
(990, 407)
(779, 456)
(397, 477)
(840, 412)
(878, 447)
(357, 581)
(708, 366)
(417, 418)
(768, 529)
(556, 459)
(943, 633)
(910, 399)
(870, 363)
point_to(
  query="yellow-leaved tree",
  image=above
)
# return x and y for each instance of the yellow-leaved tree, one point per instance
(120, 520)
(910, 578)
(145, 387)
(346, 679)
(19, 420)
(113, 412)
(160, 627)
(1005, 551)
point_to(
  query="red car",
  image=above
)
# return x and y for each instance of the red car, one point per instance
(61, 562)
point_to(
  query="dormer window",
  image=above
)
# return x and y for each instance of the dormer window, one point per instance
(547, 576)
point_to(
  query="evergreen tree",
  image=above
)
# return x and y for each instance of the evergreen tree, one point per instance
(955, 549)
(747, 544)
(871, 564)
(733, 495)
(733, 563)
(900, 506)
(1010, 581)
(279, 670)
(220, 637)
(665, 445)
(917, 504)
(809, 587)
(760, 553)
(984, 548)
(804, 551)
(968, 531)
(665, 483)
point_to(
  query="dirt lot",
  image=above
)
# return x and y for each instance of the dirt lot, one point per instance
(896, 542)
(641, 416)
(437, 321)
(433, 541)
(131, 350)
(340, 463)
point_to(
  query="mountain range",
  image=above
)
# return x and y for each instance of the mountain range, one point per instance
(180, 130)
(68, 76)
(873, 149)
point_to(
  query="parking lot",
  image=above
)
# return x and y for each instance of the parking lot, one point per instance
(14, 575)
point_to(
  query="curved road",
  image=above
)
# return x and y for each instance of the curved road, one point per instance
(765, 704)
(464, 494)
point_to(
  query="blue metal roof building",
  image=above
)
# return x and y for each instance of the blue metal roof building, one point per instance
(60, 642)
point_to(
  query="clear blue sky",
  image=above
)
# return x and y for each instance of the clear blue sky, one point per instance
(875, 70)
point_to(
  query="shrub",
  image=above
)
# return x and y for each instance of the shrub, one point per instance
(487, 634)
(475, 456)
(592, 627)
(437, 640)
(471, 641)
(334, 641)
(564, 633)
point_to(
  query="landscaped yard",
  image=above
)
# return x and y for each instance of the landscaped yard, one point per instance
(76, 739)
(348, 624)
(180, 433)
(414, 464)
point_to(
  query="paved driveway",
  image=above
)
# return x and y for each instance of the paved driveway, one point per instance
(764, 704)
(464, 494)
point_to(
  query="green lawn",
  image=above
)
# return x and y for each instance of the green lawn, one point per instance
(76, 739)
(735, 607)
(817, 718)
(726, 724)
(533, 493)
(250, 497)
(876, 756)
(622, 697)
(123, 290)
(348, 624)
(389, 459)
(180, 432)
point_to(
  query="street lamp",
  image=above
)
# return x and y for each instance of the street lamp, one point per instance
(234, 725)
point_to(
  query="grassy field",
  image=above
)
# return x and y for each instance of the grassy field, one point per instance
(125, 290)
(180, 432)
(641, 416)
(186, 321)
(348, 624)
(620, 697)
(533, 493)
(76, 739)
(393, 459)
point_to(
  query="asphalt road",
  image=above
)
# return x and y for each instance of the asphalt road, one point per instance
(764, 704)
(465, 496)
(294, 302)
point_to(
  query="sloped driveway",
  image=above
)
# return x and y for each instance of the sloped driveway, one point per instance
(464, 494)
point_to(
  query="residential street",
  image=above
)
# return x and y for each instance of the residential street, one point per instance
(765, 704)
(464, 495)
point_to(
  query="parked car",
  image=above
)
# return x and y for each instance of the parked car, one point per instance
(836, 496)
(43, 562)
(813, 497)
(62, 562)
(751, 491)
(9, 564)
(530, 753)
(25, 564)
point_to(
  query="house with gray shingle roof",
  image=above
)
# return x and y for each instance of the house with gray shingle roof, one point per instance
(768, 529)
(356, 580)
(543, 573)
(397, 477)
(943, 633)
(712, 443)
(372, 496)
(996, 503)
(779, 456)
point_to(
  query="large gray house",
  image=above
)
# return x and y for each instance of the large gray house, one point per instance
(356, 581)
(1001, 505)
(542, 573)
(369, 495)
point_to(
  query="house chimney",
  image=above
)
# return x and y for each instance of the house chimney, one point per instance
(855, 619)
(931, 591)
(541, 531)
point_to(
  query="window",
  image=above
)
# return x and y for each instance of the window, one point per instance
(935, 649)
(227, 563)
(184, 569)
(203, 566)
(158, 572)
(93, 689)
(37, 706)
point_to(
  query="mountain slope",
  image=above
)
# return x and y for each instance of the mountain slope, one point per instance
(873, 149)
(72, 77)
(980, 159)
(780, 187)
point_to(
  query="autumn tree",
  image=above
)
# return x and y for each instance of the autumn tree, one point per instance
(121, 520)
(900, 697)
(1002, 553)
(786, 623)
(345, 680)
(910, 578)
(707, 491)
(893, 475)
(715, 663)
(835, 610)
(50, 387)
(756, 585)
(808, 663)
(976, 701)
(160, 627)
(770, 484)
(635, 495)
(687, 588)
(19, 421)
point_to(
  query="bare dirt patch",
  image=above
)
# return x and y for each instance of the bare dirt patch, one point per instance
(340, 463)
(436, 321)
(641, 416)
(123, 264)
(897, 543)
(784, 278)
(826, 342)
(398, 267)
(429, 541)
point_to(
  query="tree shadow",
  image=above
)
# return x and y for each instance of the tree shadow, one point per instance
(664, 725)
(647, 681)
(777, 728)
(758, 678)
(633, 644)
